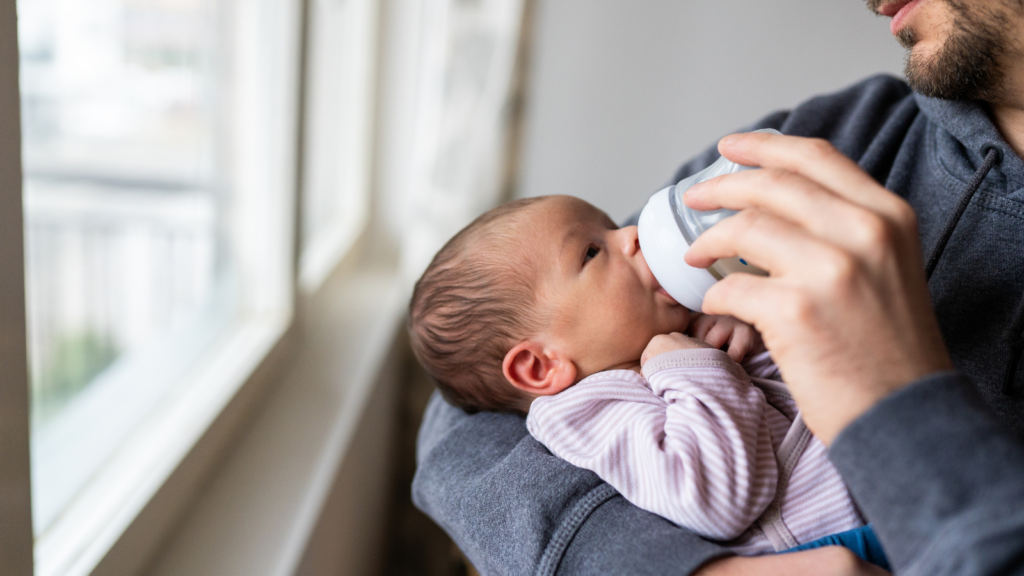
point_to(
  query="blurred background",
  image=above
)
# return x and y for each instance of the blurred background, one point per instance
(621, 93)
(225, 203)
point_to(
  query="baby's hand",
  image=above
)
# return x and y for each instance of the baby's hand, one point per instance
(668, 342)
(737, 338)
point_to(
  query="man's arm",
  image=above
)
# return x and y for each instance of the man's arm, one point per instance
(941, 479)
(848, 318)
(513, 508)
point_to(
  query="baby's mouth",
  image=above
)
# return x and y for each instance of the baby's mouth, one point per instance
(655, 284)
(660, 290)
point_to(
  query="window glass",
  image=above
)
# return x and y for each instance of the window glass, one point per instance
(342, 54)
(135, 150)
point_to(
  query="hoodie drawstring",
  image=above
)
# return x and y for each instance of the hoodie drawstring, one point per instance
(1014, 335)
(993, 155)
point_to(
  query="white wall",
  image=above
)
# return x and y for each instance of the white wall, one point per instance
(622, 91)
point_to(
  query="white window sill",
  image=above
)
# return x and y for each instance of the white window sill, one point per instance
(259, 511)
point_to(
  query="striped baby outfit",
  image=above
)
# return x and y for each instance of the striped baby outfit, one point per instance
(700, 442)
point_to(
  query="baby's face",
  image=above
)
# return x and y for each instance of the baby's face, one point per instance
(598, 298)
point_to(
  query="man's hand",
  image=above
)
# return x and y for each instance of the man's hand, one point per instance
(663, 343)
(845, 310)
(740, 338)
(827, 561)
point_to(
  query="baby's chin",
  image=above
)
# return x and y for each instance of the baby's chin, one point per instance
(679, 320)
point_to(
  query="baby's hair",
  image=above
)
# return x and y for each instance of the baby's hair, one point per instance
(471, 306)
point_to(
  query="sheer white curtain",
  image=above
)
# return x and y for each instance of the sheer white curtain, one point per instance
(460, 138)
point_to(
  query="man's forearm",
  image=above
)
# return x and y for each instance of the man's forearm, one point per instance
(513, 508)
(940, 478)
(827, 561)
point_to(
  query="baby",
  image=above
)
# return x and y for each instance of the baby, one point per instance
(545, 307)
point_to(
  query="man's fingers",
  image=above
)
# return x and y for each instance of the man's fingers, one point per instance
(817, 160)
(792, 197)
(764, 240)
(744, 296)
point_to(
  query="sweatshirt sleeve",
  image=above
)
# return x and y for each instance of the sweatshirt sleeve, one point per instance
(940, 478)
(693, 447)
(514, 508)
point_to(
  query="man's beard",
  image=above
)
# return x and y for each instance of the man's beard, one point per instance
(969, 64)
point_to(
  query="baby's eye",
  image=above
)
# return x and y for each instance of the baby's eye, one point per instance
(591, 252)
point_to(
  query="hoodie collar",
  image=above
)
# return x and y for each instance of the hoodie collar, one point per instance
(964, 130)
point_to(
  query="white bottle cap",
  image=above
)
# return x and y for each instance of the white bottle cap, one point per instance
(663, 246)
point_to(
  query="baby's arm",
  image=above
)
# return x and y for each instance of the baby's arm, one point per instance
(742, 341)
(693, 448)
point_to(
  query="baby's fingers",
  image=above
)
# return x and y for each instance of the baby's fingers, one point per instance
(666, 343)
(740, 344)
(703, 324)
(720, 333)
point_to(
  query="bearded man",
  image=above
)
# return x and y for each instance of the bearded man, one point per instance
(900, 344)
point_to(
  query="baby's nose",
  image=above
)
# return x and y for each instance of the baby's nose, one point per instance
(630, 240)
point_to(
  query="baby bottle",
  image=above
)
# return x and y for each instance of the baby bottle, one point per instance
(667, 228)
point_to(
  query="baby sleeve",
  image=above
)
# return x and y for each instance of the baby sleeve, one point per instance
(762, 366)
(691, 443)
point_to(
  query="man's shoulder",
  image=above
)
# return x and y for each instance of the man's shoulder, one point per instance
(852, 117)
(872, 92)
(856, 105)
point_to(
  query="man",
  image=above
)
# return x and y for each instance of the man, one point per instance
(896, 318)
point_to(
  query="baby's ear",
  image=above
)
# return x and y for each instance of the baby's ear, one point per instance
(538, 370)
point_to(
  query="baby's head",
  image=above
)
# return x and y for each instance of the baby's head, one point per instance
(532, 297)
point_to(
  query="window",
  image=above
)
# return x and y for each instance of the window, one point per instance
(464, 120)
(158, 151)
(341, 65)
(160, 156)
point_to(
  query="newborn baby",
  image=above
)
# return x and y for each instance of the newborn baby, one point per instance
(545, 307)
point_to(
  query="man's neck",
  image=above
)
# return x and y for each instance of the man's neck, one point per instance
(1010, 122)
(1008, 111)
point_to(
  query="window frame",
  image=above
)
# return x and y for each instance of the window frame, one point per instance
(15, 481)
(339, 112)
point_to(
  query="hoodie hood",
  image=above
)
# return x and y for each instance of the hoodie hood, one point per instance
(961, 131)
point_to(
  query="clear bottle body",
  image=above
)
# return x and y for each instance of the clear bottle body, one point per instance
(693, 223)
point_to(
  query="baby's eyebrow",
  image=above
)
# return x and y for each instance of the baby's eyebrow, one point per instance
(572, 235)
(570, 239)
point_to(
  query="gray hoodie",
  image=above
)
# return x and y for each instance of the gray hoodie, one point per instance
(938, 467)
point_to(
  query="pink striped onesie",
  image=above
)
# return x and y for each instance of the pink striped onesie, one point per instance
(699, 442)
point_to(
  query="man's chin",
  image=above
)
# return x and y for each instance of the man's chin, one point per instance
(907, 38)
(966, 63)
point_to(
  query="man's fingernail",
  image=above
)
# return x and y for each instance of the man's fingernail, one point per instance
(731, 138)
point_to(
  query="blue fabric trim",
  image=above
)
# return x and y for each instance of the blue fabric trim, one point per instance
(861, 541)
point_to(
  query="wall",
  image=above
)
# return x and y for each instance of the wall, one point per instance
(622, 91)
